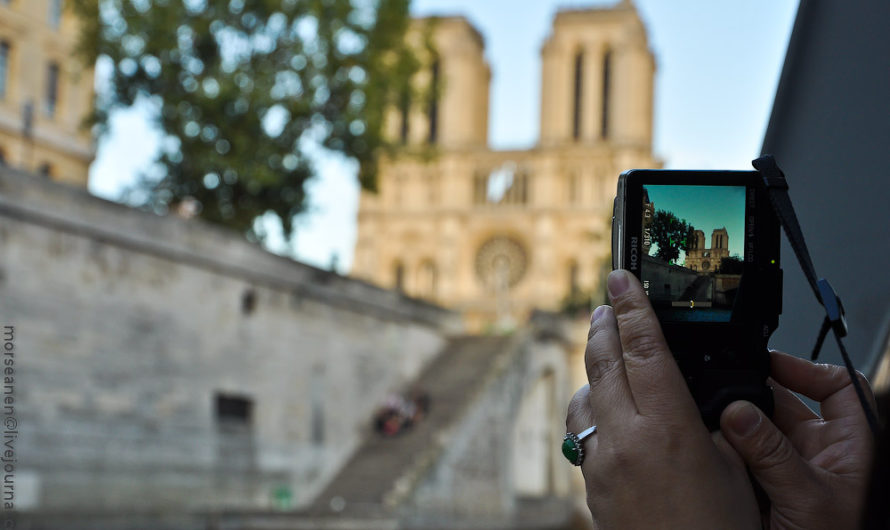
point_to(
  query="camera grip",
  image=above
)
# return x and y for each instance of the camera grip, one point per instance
(714, 390)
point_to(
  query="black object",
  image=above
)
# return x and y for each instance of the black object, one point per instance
(717, 311)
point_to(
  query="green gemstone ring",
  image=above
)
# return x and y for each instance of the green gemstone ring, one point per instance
(572, 446)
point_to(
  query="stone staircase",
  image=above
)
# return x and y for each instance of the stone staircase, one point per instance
(375, 478)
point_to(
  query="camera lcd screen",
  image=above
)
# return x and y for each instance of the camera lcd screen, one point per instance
(693, 243)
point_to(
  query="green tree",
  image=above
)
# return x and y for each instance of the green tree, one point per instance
(731, 265)
(671, 235)
(247, 91)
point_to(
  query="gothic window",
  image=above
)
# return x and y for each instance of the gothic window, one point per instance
(518, 191)
(480, 188)
(576, 99)
(399, 276)
(574, 188)
(433, 116)
(52, 89)
(501, 262)
(574, 286)
(606, 89)
(427, 278)
(55, 13)
(4, 67)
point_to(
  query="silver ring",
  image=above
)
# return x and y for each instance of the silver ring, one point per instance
(572, 446)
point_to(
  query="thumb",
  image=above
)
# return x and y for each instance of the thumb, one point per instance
(772, 459)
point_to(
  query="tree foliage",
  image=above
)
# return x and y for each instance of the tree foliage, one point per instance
(248, 90)
(671, 235)
(731, 265)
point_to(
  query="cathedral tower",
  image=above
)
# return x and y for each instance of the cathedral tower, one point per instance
(496, 234)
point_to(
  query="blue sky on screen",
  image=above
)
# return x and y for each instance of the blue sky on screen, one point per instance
(706, 208)
(718, 64)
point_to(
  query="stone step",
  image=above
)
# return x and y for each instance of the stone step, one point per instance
(450, 380)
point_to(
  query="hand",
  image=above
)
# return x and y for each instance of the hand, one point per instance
(651, 463)
(814, 469)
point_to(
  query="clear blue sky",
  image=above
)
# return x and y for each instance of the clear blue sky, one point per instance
(718, 65)
(706, 208)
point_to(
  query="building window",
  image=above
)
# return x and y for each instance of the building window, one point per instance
(52, 89)
(233, 410)
(607, 82)
(55, 13)
(576, 100)
(46, 170)
(434, 102)
(574, 286)
(518, 191)
(4, 67)
(574, 188)
(399, 276)
(480, 187)
(427, 279)
(404, 112)
(235, 448)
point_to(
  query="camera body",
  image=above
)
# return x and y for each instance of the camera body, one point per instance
(705, 246)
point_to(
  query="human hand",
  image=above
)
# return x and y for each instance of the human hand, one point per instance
(814, 469)
(652, 463)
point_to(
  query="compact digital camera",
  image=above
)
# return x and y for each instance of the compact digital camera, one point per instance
(705, 246)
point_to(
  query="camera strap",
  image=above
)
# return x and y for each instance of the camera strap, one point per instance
(835, 319)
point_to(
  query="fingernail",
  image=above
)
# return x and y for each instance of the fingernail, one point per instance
(597, 313)
(617, 283)
(745, 419)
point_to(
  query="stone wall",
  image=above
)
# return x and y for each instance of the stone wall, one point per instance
(506, 446)
(166, 365)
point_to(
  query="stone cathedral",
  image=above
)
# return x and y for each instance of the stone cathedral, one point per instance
(494, 234)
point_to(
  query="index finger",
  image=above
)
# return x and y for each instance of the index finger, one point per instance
(655, 380)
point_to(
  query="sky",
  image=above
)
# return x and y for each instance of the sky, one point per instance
(705, 208)
(718, 65)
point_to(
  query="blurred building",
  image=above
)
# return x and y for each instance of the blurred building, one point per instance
(167, 374)
(45, 92)
(495, 234)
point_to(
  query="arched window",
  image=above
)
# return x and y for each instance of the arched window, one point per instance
(52, 89)
(4, 66)
(480, 187)
(574, 188)
(399, 276)
(574, 285)
(607, 84)
(576, 99)
(427, 279)
(433, 111)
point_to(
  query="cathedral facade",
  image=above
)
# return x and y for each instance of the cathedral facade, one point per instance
(497, 233)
